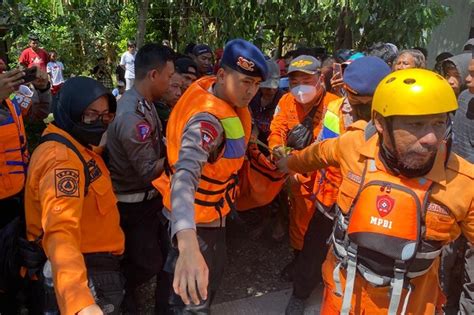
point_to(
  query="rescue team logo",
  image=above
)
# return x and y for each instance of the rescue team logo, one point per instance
(208, 135)
(245, 64)
(384, 205)
(386, 224)
(301, 63)
(67, 182)
(143, 131)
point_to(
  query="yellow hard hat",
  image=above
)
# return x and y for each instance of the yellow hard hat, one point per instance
(413, 92)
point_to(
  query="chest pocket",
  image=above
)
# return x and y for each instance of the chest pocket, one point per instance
(439, 222)
(347, 192)
(104, 196)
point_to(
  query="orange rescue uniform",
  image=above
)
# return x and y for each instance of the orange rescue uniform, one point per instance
(290, 113)
(450, 210)
(328, 180)
(73, 223)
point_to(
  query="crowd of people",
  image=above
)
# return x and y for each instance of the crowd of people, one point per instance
(368, 153)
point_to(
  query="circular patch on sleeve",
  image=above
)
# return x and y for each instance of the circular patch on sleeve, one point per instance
(66, 182)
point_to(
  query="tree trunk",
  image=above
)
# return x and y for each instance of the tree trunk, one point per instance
(344, 31)
(143, 6)
(281, 36)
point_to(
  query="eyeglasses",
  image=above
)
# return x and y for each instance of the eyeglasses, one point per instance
(91, 118)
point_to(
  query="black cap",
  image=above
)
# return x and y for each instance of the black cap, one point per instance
(182, 66)
(33, 37)
(201, 49)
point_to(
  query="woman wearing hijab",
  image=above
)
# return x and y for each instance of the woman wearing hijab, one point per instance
(70, 206)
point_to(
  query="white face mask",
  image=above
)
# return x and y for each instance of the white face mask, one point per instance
(304, 93)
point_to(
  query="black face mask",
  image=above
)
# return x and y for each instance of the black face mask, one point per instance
(89, 134)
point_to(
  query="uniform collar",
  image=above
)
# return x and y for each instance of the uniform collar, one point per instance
(51, 128)
(370, 149)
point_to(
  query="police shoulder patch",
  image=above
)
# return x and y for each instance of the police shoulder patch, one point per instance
(208, 134)
(66, 182)
(143, 130)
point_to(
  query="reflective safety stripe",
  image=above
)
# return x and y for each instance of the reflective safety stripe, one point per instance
(235, 145)
(331, 122)
(233, 128)
(428, 255)
(234, 148)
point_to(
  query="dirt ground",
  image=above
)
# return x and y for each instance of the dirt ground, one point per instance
(253, 266)
(253, 263)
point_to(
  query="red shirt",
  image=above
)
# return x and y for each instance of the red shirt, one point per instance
(30, 58)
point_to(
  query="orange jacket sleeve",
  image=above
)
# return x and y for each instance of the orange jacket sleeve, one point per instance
(315, 157)
(61, 190)
(467, 224)
(278, 127)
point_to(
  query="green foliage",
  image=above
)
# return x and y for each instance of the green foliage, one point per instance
(405, 23)
(81, 31)
(292, 23)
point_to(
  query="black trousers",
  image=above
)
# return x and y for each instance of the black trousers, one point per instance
(10, 208)
(143, 258)
(213, 248)
(457, 277)
(307, 271)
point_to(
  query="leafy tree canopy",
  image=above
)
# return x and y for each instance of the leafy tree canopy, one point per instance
(82, 31)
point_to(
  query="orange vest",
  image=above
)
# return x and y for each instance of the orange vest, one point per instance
(381, 236)
(218, 179)
(13, 152)
(329, 179)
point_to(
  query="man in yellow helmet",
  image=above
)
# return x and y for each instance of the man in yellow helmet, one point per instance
(403, 196)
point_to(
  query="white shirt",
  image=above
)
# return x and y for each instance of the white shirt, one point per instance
(128, 60)
(55, 70)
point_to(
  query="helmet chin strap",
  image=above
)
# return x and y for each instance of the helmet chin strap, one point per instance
(448, 136)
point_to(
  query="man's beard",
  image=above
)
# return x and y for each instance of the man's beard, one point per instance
(406, 166)
(410, 167)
